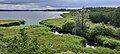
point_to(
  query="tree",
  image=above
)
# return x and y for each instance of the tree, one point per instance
(68, 27)
(81, 17)
(98, 17)
(116, 18)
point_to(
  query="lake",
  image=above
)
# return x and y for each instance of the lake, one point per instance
(31, 17)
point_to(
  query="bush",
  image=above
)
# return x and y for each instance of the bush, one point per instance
(98, 17)
(101, 29)
(37, 39)
(108, 42)
(116, 18)
(68, 27)
(117, 33)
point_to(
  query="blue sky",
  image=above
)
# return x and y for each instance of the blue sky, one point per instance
(48, 4)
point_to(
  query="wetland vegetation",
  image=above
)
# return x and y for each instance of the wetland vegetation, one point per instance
(6, 23)
(98, 27)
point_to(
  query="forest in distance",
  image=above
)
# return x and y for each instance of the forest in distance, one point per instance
(81, 31)
(62, 9)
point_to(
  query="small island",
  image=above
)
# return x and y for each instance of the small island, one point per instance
(7, 23)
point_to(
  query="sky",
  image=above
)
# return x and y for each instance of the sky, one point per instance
(51, 4)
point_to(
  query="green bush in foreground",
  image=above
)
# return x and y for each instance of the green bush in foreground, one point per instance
(108, 42)
(37, 39)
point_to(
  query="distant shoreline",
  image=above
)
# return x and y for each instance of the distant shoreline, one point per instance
(58, 9)
(34, 10)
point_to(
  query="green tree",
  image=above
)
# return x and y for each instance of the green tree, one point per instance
(68, 27)
(116, 18)
(81, 18)
(98, 17)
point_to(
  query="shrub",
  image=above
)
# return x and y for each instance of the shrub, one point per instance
(117, 33)
(68, 27)
(108, 42)
(116, 18)
(101, 29)
(98, 17)
(38, 39)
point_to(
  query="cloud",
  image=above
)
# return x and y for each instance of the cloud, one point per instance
(23, 7)
(18, 1)
(45, 4)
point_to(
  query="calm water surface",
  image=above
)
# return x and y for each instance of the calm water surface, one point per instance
(31, 17)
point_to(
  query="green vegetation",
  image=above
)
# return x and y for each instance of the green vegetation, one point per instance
(102, 21)
(11, 22)
(37, 39)
(99, 28)
(66, 15)
(108, 42)
(81, 17)
(59, 22)
(106, 15)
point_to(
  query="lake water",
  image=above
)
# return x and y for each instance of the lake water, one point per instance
(31, 17)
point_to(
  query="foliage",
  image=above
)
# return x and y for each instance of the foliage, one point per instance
(37, 39)
(68, 27)
(81, 19)
(66, 15)
(116, 18)
(108, 42)
(101, 29)
(117, 33)
(101, 9)
(98, 17)
(104, 15)
(56, 22)
(79, 26)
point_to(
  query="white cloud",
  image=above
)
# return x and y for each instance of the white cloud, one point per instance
(49, 4)
(17, 6)
(31, 6)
